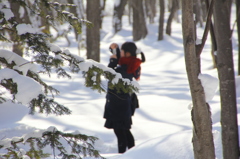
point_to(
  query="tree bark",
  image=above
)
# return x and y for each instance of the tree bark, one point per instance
(117, 15)
(73, 10)
(161, 19)
(222, 12)
(197, 9)
(93, 34)
(213, 38)
(150, 9)
(102, 7)
(238, 32)
(171, 16)
(203, 145)
(139, 24)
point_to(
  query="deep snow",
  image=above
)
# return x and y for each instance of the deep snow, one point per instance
(162, 125)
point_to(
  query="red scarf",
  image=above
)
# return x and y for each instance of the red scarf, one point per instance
(132, 63)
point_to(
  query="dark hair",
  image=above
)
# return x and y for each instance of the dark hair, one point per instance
(129, 47)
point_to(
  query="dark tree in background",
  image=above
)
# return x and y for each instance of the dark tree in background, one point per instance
(213, 37)
(139, 24)
(102, 7)
(197, 9)
(238, 32)
(117, 15)
(222, 12)
(174, 9)
(93, 33)
(161, 19)
(150, 9)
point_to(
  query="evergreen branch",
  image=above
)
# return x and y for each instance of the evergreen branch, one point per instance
(81, 145)
(95, 72)
(48, 106)
(9, 85)
(46, 87)
(3, 38)
(4, 62)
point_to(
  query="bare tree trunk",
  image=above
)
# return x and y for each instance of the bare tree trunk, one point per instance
(204, 9)
(139, 24)
(203, 145)
(117, 15)
(82, 15)
(161, 19)
(73, 10)
(197, 9)
(171, 16)
(130, 11)
(238, 30)
(93, 34)
(213, 38)
(150, 9)
(222, 12)
(102, 7)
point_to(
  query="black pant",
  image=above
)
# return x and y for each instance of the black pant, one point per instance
(125, 139)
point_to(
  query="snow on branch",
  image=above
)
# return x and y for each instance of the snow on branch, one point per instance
(21, 64)
(27, 28)
(78, 145)
(24, 84)
(92, 68)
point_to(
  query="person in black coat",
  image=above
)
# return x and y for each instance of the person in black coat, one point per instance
(118, 110)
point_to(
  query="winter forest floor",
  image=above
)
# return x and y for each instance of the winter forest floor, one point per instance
(162, 125)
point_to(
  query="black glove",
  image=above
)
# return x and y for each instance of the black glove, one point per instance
(115, 52)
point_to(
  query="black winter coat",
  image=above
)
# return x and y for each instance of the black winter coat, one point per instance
(118, 105)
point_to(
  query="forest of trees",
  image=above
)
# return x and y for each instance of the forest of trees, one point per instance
(84, 18)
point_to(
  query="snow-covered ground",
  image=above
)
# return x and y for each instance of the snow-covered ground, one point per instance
(162, 126)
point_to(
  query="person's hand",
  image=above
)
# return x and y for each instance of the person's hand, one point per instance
(114, 46)
(113, 56)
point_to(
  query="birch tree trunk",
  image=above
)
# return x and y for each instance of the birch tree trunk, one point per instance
(203, 145)
(222, 12)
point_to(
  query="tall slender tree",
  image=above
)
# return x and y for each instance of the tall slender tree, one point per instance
(174, 9)
(203, 145)
(161, 19)
(93, 34)
(117, 15)
(197, 9)
(222, 12)
(150, 9)
(213, 37)
(139, 23)
(238, 32)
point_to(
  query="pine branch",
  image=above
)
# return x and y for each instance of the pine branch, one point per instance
(48, 106)
(81, 145)
(47, 88)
